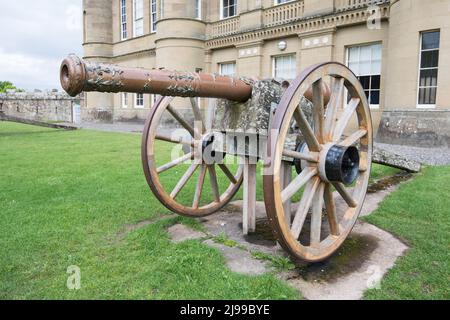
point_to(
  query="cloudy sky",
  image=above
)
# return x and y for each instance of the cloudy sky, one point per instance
(35, 36)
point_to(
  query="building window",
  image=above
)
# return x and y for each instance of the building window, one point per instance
(227, 69)
(138, 18)
(285, 67)
(198, 9)
(365, 62)
(124, 100)
(139, 103)
(282, 1)
(123, 20)
(228, 8)
(428, 69)
(153, 16)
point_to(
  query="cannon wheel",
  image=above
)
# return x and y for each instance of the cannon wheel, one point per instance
(152, 172)
(332, 206)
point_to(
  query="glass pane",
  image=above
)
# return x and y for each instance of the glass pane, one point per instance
(430, 40)
(433, 95)
(354, 66)
(428, 77)
(376, 67)
(376, 52)
(366, 53)
(364, 68)
(421, 96)
(375, 82)
(430, 59)
(375, 97)
(365, 81)
(353, 54)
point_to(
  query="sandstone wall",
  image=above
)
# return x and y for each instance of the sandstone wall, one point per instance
(42, 106)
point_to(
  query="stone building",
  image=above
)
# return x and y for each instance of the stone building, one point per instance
(400, 49)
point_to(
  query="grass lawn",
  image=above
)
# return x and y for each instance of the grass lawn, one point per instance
(67, 197)
(419, 213)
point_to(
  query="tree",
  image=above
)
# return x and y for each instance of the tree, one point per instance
(6, 85)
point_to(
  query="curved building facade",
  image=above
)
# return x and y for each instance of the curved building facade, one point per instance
(400, 49)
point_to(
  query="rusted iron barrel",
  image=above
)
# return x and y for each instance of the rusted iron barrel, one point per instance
(78, 76)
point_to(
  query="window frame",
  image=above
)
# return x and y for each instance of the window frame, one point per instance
(123, 23)
(198, 9)
(135, 35)
(222, 8)
(154, 15)
(227, 63)
(125, 100)
(427, 106)
(293, 54)
(136, 100)
(276, 3)
(347, 63)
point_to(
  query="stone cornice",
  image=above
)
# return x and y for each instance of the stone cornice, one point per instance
(300, 27)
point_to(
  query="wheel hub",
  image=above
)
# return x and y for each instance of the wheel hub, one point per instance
(339, 163)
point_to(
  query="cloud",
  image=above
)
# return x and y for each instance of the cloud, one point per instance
(35, 37)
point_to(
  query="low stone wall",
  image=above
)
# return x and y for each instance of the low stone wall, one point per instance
(419, 128)
(40, 106)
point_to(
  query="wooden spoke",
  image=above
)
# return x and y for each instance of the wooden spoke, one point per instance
(210, 115)
(228, 173)
(318, 110)
(183, 180)
(345, 195)
(197, 114)
(336, 100)
(179, 140)
(297, 183)
(316, 216)
(330, 206)
(306, 130)
(345, 118)
(180, 119)
(304, 206)
(175, 162)
(214, 184)
(311, 157)
(354, 138)
(199, 188)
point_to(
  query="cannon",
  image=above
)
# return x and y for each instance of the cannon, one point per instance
(312, 135)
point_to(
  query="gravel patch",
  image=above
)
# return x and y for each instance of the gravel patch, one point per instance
(427, 156)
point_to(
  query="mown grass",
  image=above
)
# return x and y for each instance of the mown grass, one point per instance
(67, 197)
(419, 213)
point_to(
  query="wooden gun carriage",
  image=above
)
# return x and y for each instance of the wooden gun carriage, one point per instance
(313, 136)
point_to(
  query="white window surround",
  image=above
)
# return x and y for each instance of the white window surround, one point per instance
(153, 14)
(139, 101)
(123, 20)
(277, 2)
(368, 67)
(198, 9)
(284, 66)
(228, 8)
(124, 100)
(421, 50)
(227, 68)
(138, 18)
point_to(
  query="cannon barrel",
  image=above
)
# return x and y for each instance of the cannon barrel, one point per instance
(78, 76)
